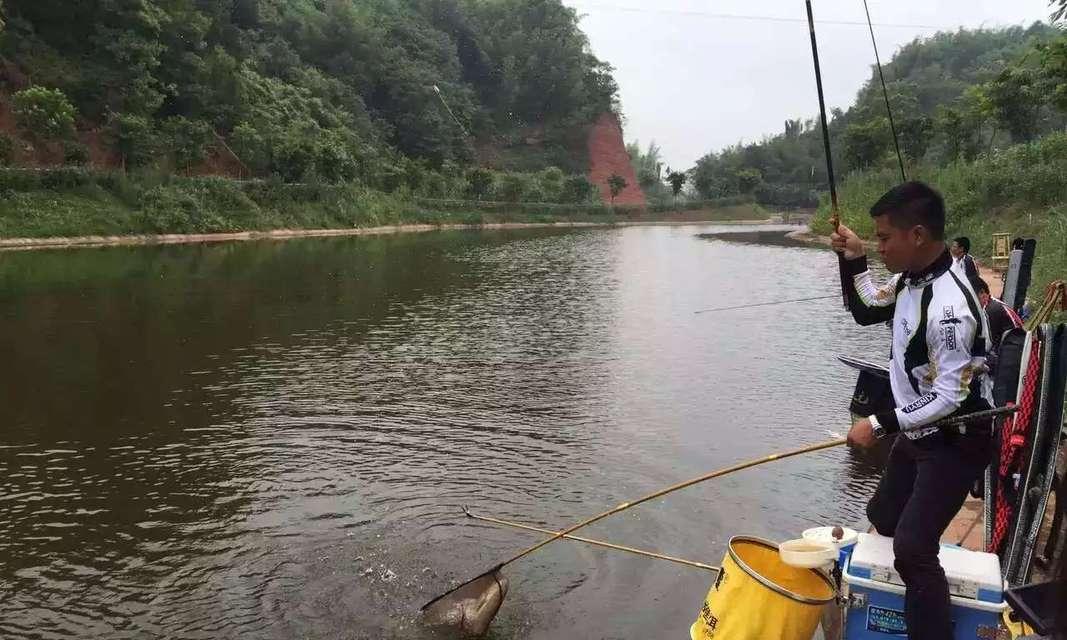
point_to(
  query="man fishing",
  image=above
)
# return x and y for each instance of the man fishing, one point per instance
(939, 345)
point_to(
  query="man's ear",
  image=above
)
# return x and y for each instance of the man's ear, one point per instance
(919, 235)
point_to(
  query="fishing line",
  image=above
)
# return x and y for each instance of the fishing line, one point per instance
(765, 304)
(885, 94)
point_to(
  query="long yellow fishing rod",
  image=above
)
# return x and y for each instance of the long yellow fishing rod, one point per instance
(596, 543)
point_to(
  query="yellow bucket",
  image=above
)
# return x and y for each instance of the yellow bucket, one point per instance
(757, 597)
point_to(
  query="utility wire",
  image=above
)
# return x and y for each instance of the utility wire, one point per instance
(736, 16)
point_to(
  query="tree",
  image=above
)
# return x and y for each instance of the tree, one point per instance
(1015, 102)
(616, 184)
(479, 181)
(647, 164)
(44, 114)
(915, 134)
(677, 180)
(1059, 12)
(793, 128)
(512, 187)
(577, 190)
(1054, 70)
(134, 138)
(978, 109)
(954, 130)
(866, 143)
(748, 180)
(186, 140)
(647, 180)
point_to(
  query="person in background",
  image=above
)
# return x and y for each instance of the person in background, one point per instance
(962, 261)
(1001, 318)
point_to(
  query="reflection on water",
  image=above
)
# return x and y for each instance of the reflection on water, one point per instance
(275, 439)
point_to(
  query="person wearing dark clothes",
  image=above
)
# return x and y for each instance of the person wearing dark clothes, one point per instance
(962, 261)
(1001, 318)
(936, 369)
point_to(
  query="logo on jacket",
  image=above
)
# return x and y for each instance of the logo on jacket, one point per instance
(920, 403)
(949, 316)
(949, 334)
(948, 329)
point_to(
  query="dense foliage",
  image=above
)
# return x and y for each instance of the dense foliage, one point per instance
(329, 90)
(954, 95)
(996, 156)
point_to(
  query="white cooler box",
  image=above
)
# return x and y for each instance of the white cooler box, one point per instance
(876, 592)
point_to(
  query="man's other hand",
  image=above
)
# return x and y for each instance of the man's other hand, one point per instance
(862, 434)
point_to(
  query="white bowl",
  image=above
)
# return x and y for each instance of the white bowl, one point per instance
(807, 554)
(826, 535)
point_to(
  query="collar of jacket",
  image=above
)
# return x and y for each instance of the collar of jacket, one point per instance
(927, 275)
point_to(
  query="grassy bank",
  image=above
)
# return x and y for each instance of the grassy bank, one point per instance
(1021, 190)
(78, 202)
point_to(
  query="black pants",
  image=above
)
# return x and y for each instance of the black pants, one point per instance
(923, 487)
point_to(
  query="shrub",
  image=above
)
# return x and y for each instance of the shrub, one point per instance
(577, 190)
(512, 187)
(44, 114)
(7, 149)
(75, 153)
(479, 182)
(172, 209)
(551, 183)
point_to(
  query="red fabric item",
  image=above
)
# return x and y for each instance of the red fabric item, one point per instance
(1013, 437)
(1016, 321)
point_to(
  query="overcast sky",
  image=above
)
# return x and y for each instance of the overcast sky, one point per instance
(696, 81)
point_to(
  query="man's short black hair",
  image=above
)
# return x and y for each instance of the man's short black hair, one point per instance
(911, 204)
(964, 243)
(980, 285)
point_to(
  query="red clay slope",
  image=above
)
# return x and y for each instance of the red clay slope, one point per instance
(607, 155)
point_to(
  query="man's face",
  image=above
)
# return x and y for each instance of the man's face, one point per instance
(983, 297)
(956, 250)
(898, 247)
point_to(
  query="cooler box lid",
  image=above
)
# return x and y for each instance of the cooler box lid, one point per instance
(970, 574)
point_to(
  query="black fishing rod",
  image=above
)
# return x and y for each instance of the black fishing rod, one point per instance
(835, 214)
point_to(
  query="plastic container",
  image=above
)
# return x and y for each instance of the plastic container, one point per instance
(807, 554)
(844, 545)
(876, 592)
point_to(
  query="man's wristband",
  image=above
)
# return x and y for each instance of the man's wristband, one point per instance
(887, 420)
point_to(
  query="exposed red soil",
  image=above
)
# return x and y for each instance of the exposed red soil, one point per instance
(607, 156)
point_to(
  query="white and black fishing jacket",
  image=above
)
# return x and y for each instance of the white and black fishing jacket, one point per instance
(940, 340)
